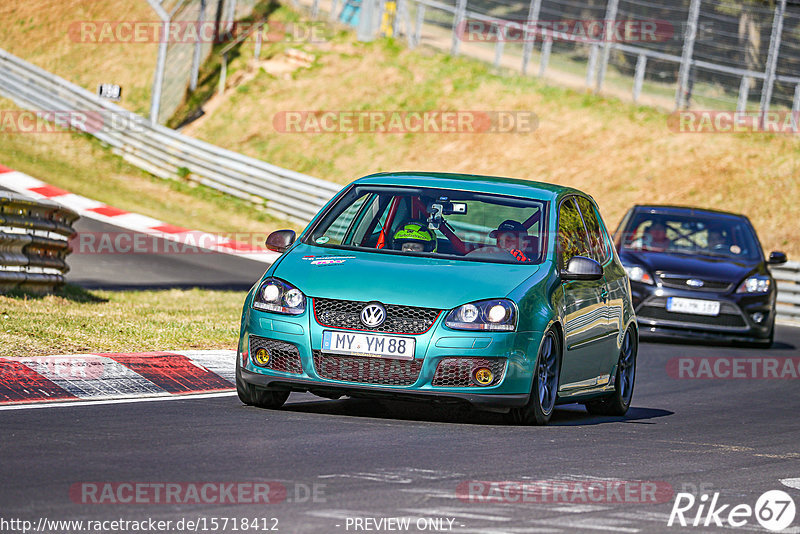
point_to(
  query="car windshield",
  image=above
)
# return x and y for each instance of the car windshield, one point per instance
(705, 235)
(443, 223)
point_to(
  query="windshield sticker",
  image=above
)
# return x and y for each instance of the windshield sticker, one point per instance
(322, 240)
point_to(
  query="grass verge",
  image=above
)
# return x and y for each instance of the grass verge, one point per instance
(76, 321)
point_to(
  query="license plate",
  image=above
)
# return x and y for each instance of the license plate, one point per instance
(372, 345)
(693, 306)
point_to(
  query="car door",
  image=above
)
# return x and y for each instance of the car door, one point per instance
(611, 291)
(585, 318)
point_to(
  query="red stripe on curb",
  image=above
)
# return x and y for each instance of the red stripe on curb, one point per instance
(108, 211)
(49, 191)
(4, 169)
(170, 229)
(172, 372)
(19, 383)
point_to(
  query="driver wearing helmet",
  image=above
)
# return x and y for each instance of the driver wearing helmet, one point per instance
(414, 236)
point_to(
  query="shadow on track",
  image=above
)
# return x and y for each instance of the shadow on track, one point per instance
(569, 415)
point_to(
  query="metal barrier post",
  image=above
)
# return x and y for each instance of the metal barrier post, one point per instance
(530, 38)
(772, 61)
(458, 22)
(611, 17)
(681, 94)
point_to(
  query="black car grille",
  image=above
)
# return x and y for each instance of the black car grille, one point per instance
(678, 281)
(655, 309)
(399, 319)
(366, 370)
(282, 356)
(457, 372)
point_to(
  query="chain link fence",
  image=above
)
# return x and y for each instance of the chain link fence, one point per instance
(702, 54)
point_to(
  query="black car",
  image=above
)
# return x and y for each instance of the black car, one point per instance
(698, 273)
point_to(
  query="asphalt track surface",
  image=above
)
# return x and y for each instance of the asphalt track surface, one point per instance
(210, 270)
(394, 459)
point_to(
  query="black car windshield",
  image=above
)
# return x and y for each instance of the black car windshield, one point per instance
(443, 223)
(696, 234)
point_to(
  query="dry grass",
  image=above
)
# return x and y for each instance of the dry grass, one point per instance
(619, 153)
(39, 31)
(121, 321)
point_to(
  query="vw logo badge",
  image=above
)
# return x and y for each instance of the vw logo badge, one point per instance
(373, 315)
(694, 282)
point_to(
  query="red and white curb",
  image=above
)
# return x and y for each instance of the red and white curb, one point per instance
(92, 209)
(105, 376)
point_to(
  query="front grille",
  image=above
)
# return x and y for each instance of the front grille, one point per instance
(678, 281)
(655, 309)
(457, 372)
(366, 370)
(656, 314)
(282, 356)
(399, 319)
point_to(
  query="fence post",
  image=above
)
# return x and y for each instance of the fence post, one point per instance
(611, 17)
(530, 38)
(458, 21)
(638, 80)
(315, 9)
(744, 93)
(796, 109)
(547, 46)
(772, 60)
(420, 20)
(500, 44)
(681, 94)
(591, 65)
(366, 32)
(158, 79)
(257, 49)
(201, 17)
(332, 14)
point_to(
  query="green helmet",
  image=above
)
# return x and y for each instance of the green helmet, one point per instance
(415, 232)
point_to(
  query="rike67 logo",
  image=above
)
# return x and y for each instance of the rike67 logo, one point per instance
(774, 510)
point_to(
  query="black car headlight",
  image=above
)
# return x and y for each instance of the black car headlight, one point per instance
(639, 274)
(278, 296)
(496, 314)
(755, 284)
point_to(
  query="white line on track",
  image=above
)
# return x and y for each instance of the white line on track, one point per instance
(69, 404)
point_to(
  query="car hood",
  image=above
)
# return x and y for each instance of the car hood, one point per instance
(704, 267)
(396, 279)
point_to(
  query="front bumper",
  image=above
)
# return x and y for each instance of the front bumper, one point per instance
(300, 337)
(735, 321)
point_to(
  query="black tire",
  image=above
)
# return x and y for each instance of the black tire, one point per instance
(544, 387)
(261, 398)
(618, 402)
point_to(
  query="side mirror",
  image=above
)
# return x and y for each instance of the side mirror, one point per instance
(776, 258)
(582, 268)
(280, 240)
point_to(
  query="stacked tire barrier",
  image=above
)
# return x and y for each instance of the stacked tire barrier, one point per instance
(34, 243)
(788, 278)
(159, 150)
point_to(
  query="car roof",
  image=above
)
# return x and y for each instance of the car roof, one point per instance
(684, 210)
(472, 182)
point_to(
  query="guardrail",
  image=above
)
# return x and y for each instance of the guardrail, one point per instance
(159, 150)
(788, 278)
(34, 243)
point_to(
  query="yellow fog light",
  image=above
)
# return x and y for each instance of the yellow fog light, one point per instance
(261, 357)
(483, 376)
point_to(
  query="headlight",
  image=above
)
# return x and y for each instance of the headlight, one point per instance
(755, 284)
(498, 315)
(278, 296)
(639, 274)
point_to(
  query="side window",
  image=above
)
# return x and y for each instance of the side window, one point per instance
(335, 233)
(596, 241)
(572, 240)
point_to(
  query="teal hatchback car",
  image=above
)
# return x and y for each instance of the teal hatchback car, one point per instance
(504, 294)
